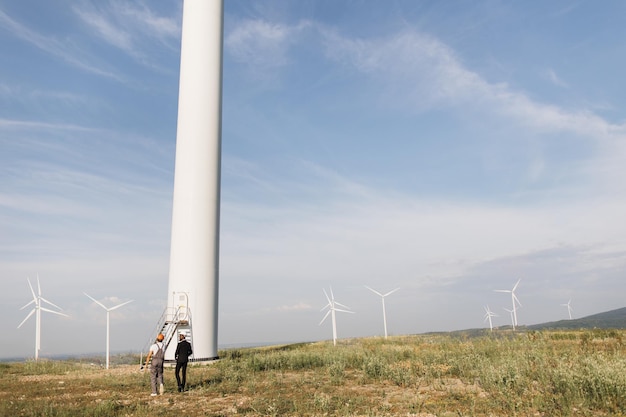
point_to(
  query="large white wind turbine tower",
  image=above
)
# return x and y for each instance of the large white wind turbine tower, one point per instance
(569, 308)
(514, 300)
(488, 315)
(382, 296)
(37, 300)
(332, 308)
(108, 310)
(192, 298)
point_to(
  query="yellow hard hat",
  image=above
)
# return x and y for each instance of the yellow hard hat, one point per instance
(160, 337)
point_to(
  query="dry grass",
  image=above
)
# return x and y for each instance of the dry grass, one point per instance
(539, 373)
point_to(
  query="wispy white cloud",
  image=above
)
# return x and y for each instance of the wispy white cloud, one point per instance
(63, 50)
(259, 43)
(429, 73)
(34, 124)
(420, 72)
(239, 169)
(418, 69)
(431, 248)
(131, 28)
(294, 307)
(263, 46)
(555, 79)
(106, 30)
(378, 231)
(547, 117)
(164, 28)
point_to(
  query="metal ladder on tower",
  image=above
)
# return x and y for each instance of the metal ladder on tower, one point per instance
(167, 325)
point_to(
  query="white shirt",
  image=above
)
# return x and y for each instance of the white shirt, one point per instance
(155, 347)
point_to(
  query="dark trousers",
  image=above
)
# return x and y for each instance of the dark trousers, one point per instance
(181, 366)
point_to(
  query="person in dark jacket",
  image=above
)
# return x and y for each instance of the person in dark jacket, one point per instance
(183, 351)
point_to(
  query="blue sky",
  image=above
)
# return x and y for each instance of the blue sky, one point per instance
(446, 148)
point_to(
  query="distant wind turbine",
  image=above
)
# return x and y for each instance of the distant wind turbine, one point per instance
(108, 310)
(488, 315)
(514, 300)
(512, 318)
(37, 300)
(382, 296)
(569, 308)
(331, 306)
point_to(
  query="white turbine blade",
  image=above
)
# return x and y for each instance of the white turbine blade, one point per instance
(342, 305)
(488, 312)
(95, 301)
(391, 292)
(38, 286)
(325, 316)
(31, 289)
(51, 303)
(502, 290)
(326, 294)
(374, 291)
(52, 311)
(332, 296)
(516, 299)
(29, 303)
(330, 304)
(516, 284)
(27, 317)
(344, 311)
(119, 305)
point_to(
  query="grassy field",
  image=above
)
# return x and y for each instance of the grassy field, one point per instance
(545, 373)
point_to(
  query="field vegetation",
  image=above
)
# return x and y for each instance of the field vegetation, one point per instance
(538, 373)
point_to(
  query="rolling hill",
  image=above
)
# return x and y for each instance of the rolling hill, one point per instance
(614, 319)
